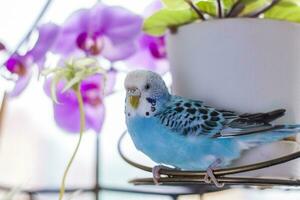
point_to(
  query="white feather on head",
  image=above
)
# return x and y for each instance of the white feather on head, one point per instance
(146, 84)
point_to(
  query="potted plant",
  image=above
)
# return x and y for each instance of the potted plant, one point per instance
(240, 55)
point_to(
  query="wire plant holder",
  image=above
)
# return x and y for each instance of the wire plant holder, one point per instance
(177, 177)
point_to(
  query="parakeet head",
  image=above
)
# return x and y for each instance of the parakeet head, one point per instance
(146, 92)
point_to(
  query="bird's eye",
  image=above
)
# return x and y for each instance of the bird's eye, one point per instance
(147, 86)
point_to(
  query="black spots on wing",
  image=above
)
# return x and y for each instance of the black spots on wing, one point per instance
(178, 104)
(211, 123)
(186, 123)
(203, 111)
(147, 113)
(197, 105)
(204, 117)
(179, 109)
(172, 123)
(194, 129)
(214, 114)
(176, 124)
(173, 114)
(167, 124)
(192, 118)
(188, 105)
(215, 119)
(191, 110)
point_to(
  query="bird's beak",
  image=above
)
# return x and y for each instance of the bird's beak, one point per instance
(134, 101)
(134, 96)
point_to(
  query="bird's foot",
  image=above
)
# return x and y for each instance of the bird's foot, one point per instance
(210, 177)
(156, 173)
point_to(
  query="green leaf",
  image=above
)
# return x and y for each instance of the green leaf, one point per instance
(228, 4)
(254, 5)
(159, 22)
(175, 4)
(208, 7)
(285, 10)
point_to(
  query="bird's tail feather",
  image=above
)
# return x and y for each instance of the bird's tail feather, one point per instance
(279, 132)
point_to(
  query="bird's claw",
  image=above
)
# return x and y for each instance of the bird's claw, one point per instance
(156, 173)
(210, 177)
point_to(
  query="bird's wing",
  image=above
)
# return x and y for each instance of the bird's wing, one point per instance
(188, 117)
(248, 123)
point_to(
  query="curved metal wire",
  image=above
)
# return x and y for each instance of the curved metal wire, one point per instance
(177, 177)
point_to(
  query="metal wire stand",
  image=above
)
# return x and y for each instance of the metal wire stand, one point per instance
(188, 178)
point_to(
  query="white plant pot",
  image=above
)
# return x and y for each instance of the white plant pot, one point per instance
(244, 65)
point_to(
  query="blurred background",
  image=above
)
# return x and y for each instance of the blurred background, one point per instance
(34, 151)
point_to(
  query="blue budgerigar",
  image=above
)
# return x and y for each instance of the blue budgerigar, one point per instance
(188, 134)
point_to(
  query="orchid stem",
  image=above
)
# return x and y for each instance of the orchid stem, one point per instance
(82, 127)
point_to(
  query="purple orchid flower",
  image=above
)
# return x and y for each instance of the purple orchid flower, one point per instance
(108, 31)
(151, 53)
(67, 113)
(21, 65)
(102, 31)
